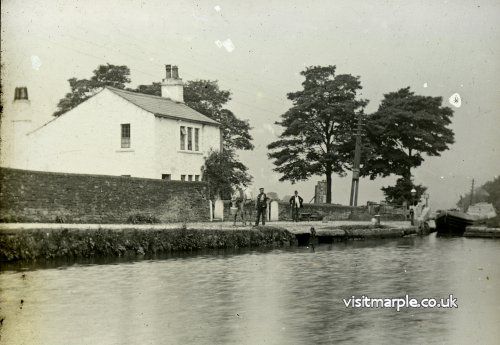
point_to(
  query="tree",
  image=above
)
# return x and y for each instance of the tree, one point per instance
(401, 192)
(83, 89)
(151, 89)
(317, 127)
(206, 97)
(405, 127)
(223, 172)
(488, 192)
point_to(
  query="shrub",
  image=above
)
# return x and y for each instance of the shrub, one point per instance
(141, 218)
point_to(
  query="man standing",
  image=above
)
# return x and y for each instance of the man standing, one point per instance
(238, 201)
(261, 206)
(296, 204)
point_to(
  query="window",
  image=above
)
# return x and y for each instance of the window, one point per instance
(196, 177)
(197, 139)
(189, 138)
(190, 177)
(125, 135)
(183, 177)
(183, 138)
(166, 177)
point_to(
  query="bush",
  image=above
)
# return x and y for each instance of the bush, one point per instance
(9, 218)
(60, 219)
(141, 218)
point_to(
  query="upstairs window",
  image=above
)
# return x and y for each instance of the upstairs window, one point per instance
(196, 177)
(183, 138)
(167, 177)
(189, 138)
(190, 177)
(125, 135)
(197, 139)
(183, 177)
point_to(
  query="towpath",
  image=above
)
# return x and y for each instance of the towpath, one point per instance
(299, 227)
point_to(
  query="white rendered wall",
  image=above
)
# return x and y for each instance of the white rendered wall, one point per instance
(87, 139)
(170, 159)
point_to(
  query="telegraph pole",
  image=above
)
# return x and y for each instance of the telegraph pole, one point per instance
(355, 169)
(471, 195)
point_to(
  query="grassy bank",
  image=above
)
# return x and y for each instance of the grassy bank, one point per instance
(77, 243)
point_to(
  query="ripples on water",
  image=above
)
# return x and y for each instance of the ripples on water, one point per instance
(261, 297)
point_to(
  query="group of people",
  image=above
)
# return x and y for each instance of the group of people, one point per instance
(242, 201)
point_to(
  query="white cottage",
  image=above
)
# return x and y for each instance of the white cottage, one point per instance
(118, 132)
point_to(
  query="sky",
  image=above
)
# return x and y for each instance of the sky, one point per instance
(257, 49)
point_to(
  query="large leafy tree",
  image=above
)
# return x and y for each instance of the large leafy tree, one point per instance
(404, 129)
(82, 89)
(317, 128)
(206, 97)
(223, 171)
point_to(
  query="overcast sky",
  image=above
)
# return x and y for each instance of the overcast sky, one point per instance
(437, 48)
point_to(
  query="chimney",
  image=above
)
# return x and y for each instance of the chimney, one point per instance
(168, 69)
(21, 112)
(172, 86)
(21, 93)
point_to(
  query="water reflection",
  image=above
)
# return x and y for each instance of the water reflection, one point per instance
(274, 297)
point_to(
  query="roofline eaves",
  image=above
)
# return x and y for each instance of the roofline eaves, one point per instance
(215, 124)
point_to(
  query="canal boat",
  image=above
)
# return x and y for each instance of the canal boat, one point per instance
(453, 223)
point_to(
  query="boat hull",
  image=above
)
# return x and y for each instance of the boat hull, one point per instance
(452, 223)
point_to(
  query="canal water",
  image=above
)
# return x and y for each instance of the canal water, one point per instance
(290, 296)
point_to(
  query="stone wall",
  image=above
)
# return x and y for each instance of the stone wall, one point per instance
(328, 211)
(33, 196)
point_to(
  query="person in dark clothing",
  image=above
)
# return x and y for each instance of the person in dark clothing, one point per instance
(261, 206)
(296, 204)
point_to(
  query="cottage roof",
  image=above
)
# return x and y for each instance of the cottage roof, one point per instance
(163, 107)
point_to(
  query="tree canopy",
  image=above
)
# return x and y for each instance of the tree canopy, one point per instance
(404, 128)
(150, 89)
(488, 192)
(82, 89)
(401, 192)
(223, 171)
(318, 126)
(206, 97)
